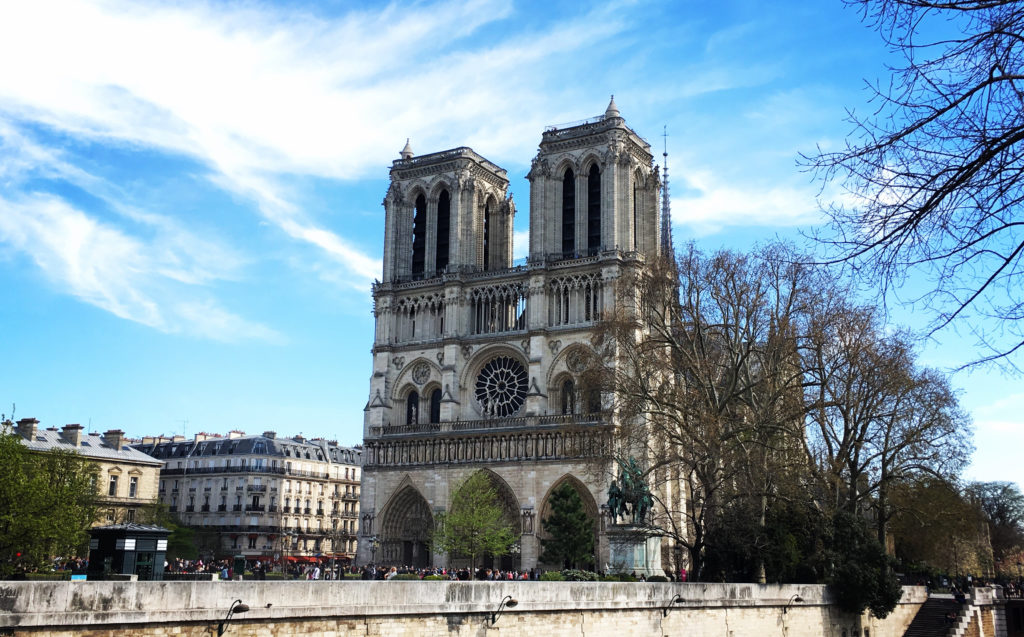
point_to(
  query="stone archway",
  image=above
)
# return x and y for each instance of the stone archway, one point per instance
(511, 516)
(589, 505)
(405, 528)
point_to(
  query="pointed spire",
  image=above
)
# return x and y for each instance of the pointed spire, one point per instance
(666, 209)
(407, 151)
(612, 110)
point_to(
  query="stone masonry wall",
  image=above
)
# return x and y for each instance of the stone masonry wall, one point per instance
(451, 609)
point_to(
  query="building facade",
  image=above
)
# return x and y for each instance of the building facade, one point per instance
(477, 364)
(127, 479)
(264, 497)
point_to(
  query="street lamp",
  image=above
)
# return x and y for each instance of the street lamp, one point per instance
(796, 599)
(676, 599)
(506, 602)
(374, 545)
(236, 607)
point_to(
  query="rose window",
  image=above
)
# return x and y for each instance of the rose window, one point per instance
(501, 387)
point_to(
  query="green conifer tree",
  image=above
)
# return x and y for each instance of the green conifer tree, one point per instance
(571, 531)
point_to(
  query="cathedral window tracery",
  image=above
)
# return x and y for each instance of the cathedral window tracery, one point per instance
(575, 299)
(501, 387)
(420, 317)
(497, 308)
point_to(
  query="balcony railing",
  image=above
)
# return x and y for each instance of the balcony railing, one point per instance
(520, 422)
(258, 488)
(190, 508)
(255, 507)
(272, 508)
(222, 507)
(205, 508)
(237, 507)
(306, 510)
(286, 509)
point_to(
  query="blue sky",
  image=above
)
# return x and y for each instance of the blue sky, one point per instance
(190, 193)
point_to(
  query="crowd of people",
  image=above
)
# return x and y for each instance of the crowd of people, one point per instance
(373, 572)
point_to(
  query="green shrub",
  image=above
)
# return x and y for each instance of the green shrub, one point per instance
(576, 575)
(353, 575)
(552, 576)
(406, 576)
(657, 578)
(435, 578)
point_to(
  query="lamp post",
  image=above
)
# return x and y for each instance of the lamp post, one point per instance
(506, 602)
(236, 607)
(374, 545)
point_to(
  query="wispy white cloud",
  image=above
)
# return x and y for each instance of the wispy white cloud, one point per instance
(122, 274)
(257, 92)
(711, 204)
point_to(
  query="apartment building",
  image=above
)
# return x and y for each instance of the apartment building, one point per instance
(275, 499)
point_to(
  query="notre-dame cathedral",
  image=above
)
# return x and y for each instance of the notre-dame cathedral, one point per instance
(476, 361)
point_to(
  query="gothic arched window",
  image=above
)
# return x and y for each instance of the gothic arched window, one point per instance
(412, 408)
(568, 214)
(594, 210)
(419, 237)
(636, 188)
(487, 236)
(444, 209)
(435, 406)
(568, 397)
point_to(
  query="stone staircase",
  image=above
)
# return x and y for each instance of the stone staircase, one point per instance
(930, 620)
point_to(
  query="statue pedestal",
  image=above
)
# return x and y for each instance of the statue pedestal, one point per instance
(631, 551)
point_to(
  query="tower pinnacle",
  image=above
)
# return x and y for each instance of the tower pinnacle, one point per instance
(407, 151)
(612, 110)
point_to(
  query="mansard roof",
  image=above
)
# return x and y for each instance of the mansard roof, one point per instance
(93, 445)
(265, 445)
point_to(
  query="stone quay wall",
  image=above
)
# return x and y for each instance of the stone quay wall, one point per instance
(451, 609)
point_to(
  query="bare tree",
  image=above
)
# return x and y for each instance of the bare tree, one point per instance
(702, 364)
(936, 172)
(874, 417)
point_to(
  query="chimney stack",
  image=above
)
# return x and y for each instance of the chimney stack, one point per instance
(28, 427)
(73, 434)
(270, 434)
(114, 438)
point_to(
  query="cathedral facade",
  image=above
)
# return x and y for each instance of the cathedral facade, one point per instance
(476, 361)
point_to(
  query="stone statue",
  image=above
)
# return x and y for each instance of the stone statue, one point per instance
(616, 505)
(633, 497)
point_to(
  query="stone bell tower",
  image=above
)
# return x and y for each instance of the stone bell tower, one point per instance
(477, 364)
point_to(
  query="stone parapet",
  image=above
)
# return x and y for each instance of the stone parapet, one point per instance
(412, 607)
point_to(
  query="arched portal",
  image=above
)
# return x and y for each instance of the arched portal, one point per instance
(589, 506)
(405, 530)
(511, 516)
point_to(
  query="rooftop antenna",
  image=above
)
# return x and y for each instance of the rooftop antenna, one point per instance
(666, 209)
(184, 427)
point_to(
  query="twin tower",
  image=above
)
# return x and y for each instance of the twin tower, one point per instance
(476, 361)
